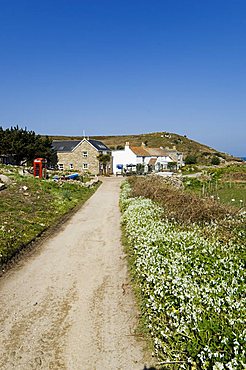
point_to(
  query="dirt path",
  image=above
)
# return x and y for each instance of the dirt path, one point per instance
(69, 305)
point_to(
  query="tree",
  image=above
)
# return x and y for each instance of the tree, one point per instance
(104, 160)
(22, 145)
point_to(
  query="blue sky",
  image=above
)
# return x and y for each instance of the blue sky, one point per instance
(126, 66)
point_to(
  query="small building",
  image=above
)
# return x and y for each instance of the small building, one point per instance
(82, 155)
(152, 159)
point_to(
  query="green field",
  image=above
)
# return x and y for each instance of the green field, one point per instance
(231, 193)
(226, 185)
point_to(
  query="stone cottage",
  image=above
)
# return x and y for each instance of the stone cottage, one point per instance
(81, 155)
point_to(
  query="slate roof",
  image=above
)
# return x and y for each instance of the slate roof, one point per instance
(65, 145)
(99, 145)
(69, 145)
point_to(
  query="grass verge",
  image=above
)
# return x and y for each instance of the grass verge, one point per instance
(30, 206)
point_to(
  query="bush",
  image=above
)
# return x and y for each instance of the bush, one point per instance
(215, 161)
(191, 159)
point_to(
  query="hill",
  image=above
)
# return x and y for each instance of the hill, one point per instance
(189, 147)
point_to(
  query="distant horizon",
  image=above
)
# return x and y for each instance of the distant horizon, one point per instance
(87, 134)
(150, 132)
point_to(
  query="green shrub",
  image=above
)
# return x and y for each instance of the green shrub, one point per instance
(215, 161)
(191, 159)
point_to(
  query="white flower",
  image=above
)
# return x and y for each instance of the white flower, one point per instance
(218, 366)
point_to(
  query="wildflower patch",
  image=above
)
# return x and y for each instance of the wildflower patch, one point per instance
(192, 288)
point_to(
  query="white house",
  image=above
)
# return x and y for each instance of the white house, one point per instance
(154, 159)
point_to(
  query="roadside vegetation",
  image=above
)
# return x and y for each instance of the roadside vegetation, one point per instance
(28, 206)
(187, 261)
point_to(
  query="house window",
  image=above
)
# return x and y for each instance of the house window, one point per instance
(85, 154)
(60, 166)
(71, 166)
(85, 166)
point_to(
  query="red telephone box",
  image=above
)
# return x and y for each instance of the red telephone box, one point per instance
(39, 168)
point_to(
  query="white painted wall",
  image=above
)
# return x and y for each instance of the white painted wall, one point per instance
(124, 157)
(164, 161)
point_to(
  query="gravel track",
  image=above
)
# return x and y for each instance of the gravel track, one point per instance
(69, 305)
